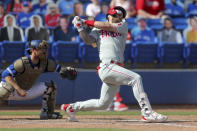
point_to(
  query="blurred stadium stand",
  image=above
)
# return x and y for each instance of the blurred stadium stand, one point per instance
(74, 52)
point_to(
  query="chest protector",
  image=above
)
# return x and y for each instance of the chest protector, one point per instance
(27, 78)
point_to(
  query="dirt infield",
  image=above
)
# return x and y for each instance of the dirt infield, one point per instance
(174, 123)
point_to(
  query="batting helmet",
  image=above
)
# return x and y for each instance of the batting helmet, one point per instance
(116, 10)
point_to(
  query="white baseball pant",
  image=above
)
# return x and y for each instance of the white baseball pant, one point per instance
(112, 76)
(36, 91)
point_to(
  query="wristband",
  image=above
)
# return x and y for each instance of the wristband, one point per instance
(90, 22)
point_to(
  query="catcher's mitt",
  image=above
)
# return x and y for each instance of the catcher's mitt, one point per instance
(69, 73)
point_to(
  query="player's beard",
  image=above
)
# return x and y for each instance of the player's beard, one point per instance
(116, 20)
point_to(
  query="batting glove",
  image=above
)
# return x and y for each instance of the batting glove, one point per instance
(78, 23)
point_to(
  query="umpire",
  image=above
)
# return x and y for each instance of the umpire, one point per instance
(19, 79)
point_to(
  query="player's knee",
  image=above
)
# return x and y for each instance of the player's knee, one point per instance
(134, 80)
(138, 77)
(5, 91)
(104, 104)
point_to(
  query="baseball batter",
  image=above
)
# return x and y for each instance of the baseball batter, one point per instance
(110, 38)
(19, 79)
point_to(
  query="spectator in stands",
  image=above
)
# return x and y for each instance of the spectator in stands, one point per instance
(127, 5)
(173, 9)
(66, 6)
(37, 31)
(63, 33)
(168, 33)
(150, 8)
(23, 19)
(40, 8)
(142, 33)
(2, 14)
(78, 11)
(192, 8)
(104, 9)
(10, 31)
(15, 6)
(93, 9)
(191, 32)
(52, 18)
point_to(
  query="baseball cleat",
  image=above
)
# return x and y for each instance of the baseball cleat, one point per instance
(69, 112)
(154, 117)
(54, 115)
(121, 107)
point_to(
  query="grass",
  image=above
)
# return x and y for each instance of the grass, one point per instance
(61, 129)
(3, 113)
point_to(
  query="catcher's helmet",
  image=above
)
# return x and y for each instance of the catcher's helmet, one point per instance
(37, 44)
(115, 10)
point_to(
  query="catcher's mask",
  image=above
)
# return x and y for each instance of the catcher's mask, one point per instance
(39, 45)
(117, 10)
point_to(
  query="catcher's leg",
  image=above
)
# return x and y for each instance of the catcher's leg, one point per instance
(5, 91)
(48, 102)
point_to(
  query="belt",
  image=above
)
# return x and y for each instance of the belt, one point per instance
(112, 61)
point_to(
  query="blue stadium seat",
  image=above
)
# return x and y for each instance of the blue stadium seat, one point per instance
(180, 23)
(12, 50)
(87, 54)
(171, 53)
(174, 10)
(191, 53)
(192, 9)
(65, 51)
(131, 22)
(155, 24)
(144, 53)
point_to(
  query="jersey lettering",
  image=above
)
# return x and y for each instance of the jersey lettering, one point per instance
(109, 34)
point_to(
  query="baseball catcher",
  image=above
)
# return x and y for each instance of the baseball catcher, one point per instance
(19, 79)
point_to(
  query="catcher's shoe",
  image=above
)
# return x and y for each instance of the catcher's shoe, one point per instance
(69, 112)
(154, 117)
(54, 115)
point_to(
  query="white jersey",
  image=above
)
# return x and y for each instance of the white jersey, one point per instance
(111, 45)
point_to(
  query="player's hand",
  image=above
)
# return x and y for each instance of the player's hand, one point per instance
(78, 23)
(21, 92)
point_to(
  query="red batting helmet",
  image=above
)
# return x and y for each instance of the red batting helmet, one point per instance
(116, 10)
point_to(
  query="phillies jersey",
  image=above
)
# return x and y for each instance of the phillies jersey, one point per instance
(151, 6)
(52, 20)
(111, 45)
